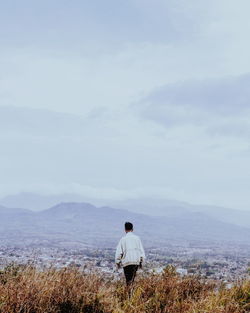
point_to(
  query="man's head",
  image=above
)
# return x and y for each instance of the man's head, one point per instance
(128, 227)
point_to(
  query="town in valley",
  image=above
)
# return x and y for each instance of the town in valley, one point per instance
(217, 261)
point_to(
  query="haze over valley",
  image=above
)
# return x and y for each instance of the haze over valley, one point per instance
(158, 222)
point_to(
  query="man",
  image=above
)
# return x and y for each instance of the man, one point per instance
(129, 254)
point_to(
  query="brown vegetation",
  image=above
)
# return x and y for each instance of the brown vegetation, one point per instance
(28, 290)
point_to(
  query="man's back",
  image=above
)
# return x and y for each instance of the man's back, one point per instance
(130, 250)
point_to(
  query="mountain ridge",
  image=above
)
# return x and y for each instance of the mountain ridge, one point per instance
(104, 225)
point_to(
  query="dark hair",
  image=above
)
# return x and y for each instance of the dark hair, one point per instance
(128, 226)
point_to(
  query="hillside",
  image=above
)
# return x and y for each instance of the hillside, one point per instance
(86, 224)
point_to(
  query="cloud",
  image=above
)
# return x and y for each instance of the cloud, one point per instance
(120, 156)
(221, 105)
(39, 122)
(114, 22)
(71, 72)
(89, 192)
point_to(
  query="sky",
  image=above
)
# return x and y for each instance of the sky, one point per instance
(124, 99)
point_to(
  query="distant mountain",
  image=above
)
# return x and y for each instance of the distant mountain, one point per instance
(12, 216)
(237, 217)
(86, 224)
(148, 206)
(153, 207)
(172, 208)
(36, 202)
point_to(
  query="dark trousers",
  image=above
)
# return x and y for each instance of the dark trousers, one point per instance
(130, 272)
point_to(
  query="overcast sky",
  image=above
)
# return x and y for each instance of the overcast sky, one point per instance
(119, 99)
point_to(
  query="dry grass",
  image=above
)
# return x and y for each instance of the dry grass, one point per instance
(28, 290)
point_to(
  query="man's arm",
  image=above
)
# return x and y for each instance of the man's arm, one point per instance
(119, 254)
(142, 256)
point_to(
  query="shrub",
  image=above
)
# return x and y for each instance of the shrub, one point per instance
(71, 290)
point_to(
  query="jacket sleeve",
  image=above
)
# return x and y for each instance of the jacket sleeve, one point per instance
(119, 253)
(143, 257)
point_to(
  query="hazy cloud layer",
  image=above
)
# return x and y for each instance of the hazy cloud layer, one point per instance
(122, 99)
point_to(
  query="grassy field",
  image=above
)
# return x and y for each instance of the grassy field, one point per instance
(26, 289)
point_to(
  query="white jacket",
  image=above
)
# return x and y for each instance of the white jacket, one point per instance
(129, 250)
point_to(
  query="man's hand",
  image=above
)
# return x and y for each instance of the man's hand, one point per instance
(118, 266)
(140, 264)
